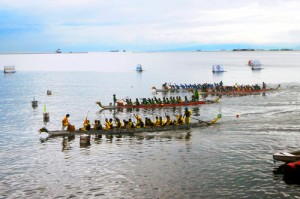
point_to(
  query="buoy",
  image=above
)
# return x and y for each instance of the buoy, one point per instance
(34, 103)
(49, 92)
(46, 117)
(291, 174)
(85, 139)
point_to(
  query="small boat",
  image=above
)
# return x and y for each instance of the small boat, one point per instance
(211, 92)
(287, 156)
(151, 106)
(256, 67)
(139, 68)
(130, 131)
(255, 64)
(58, 51)
(9, 69)
(218, 68)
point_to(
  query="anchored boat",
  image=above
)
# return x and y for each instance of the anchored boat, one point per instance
(287, 156)
(217, 68)
(120, 105)
(139, 68)
(9, 69)
(255, 64)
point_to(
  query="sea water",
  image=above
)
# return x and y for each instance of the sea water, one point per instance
(232, 159)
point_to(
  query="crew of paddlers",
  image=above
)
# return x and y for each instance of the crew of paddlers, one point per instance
(140, 123)
(164, 100)
(215, 87)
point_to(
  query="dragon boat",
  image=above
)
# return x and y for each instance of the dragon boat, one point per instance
(152, 106)
(214, 92)
(131, 131)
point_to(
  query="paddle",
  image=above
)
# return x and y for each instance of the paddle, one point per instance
(201, 121)
(104, 115)
(209, 123)
(87, 116)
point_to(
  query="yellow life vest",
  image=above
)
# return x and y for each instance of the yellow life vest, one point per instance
(107, 125)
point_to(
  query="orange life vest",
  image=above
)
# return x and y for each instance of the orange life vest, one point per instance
(65, 121)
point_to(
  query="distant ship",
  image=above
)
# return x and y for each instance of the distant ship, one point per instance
(139, 68)
(58, 51)
(254, 64)
(9, 69)
(218, 69)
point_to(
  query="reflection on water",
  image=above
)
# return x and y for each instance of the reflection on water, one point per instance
(66, 142)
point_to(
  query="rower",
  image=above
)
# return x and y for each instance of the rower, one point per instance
(137, 102)
(111, 122)
(86, 125)
(179, 99)
(97, 125)
(159, 101)
(186, 99)
(107, 124)
(187, 114)
(196, 95)
(148, 122)
(164, 100)
(168, 121)
(144, 101)
(125, 122)
(139, 123)
(118, 123)
(65, 122)
(160, 121)
(264, 85)
(156, 121)
(130, 124)
(173, 100)
(167, 100)
(179, 120)
(149, 101)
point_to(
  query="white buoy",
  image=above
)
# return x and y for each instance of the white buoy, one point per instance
(85, 139)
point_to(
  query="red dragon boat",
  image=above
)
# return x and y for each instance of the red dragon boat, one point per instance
(120, 105)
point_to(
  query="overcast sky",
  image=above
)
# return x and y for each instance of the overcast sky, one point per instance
(146, 25)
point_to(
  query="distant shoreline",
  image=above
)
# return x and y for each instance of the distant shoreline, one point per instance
(233, 50)
(43, 53)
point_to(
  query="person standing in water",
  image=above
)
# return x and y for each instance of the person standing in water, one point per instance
(187, 114)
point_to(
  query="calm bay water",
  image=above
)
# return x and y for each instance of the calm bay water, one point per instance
(232, 159)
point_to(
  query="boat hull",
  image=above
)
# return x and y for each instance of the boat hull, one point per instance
(125, 131)
(287, 156)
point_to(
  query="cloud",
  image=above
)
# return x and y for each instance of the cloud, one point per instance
(102, 25)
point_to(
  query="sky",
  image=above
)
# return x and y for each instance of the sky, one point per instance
(147, 25)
